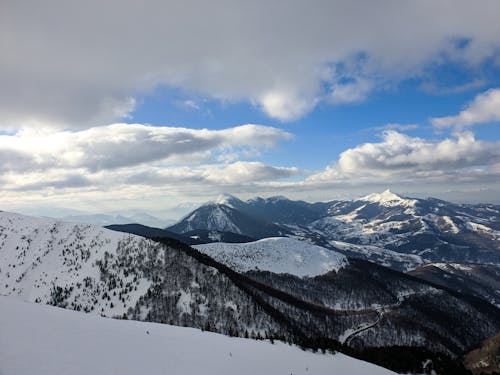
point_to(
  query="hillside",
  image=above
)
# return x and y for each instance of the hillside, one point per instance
(278, 255)
(480, 280)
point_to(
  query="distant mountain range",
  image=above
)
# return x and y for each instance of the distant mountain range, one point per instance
(385, 228)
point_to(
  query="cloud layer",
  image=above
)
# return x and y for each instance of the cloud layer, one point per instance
(84, 64)
(399, 157)
(125, 145)
(108, 157)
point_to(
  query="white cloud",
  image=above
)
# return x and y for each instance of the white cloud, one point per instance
(124, 145)
(81, 64)
(399, 156)
(483, 109)
(133, 161)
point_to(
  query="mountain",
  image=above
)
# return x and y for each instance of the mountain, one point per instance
(277, 255)
(480, 280)
(386, 228)
(282, 210)
(45, 340)
(367, 311)
(277, 210)
(225, 218)
(431, 229)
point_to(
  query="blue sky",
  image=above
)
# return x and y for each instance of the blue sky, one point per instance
(326, 131)
(164, 104)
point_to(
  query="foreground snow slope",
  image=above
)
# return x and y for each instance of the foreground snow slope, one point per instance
(276, 254)
(45, 340)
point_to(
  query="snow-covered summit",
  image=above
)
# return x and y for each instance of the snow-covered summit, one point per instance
(276, 254)
(388, 198)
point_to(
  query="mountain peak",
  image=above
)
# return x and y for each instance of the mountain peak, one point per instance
(387, 198)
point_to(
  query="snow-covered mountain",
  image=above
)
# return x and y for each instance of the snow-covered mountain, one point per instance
(389, 199)
(46, 340)
(277, 255)
(257, 217)
(386, 228)
(225, 218)
(430, 229)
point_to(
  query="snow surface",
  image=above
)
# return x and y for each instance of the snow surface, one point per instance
(276, 254)
(45, 340)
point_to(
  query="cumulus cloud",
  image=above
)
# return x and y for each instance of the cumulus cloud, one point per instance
(401, 156)
(484, 108)
(124, 145)
(83, 64)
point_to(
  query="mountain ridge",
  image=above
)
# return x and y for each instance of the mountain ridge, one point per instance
(386, 228)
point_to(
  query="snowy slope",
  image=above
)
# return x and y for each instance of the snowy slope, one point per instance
(277, 254)
(39, 254)
(45, 340)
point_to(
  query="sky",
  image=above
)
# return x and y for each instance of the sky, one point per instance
(107, 106)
